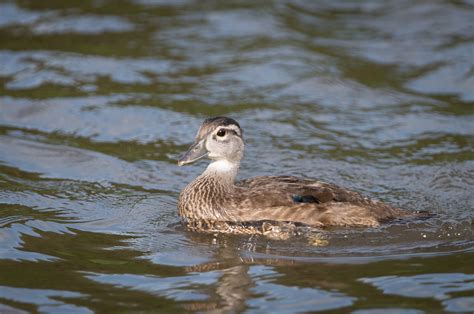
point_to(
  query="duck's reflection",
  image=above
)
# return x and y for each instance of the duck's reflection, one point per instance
(252, 285)
(233, 287)
(246, 282)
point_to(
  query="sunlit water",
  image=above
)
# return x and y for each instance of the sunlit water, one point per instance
(98, 99)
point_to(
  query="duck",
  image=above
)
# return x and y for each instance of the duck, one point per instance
(216, 197)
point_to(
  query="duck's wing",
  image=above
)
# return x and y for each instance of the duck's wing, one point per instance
(287, 198)
(287, 190)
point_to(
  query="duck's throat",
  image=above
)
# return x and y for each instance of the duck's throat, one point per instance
(224, 170)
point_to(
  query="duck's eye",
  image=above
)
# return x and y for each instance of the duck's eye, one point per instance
(221, 132)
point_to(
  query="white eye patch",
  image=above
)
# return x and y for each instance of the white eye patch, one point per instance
(224, 130)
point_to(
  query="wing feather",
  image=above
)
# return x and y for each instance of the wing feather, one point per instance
(282, 198)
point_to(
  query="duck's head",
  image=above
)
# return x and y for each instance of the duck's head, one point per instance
(218, 138)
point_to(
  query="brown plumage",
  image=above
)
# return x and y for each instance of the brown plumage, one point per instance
(214, 197)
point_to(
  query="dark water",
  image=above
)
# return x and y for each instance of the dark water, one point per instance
(98, 99)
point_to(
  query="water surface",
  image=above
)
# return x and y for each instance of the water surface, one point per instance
(98, 99)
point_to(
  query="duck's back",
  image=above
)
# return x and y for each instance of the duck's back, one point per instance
(287, 198)
(299, 190)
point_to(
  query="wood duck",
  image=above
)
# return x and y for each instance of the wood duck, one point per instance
(215, 196)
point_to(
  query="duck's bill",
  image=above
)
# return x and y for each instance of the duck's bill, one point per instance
(195, 152)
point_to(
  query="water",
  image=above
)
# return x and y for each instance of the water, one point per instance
(98, 99)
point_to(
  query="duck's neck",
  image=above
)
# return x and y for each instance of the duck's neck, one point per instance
(223, 171)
